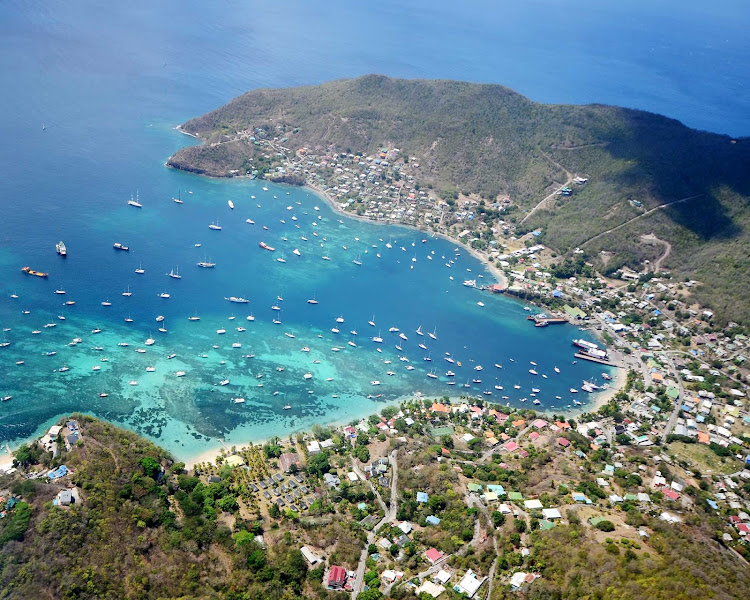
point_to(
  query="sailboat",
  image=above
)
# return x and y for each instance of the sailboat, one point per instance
(135, 202)
(127, 292)
(433, 335)
(215, 226)
(140, 270)
(419, 330)
(175, 274)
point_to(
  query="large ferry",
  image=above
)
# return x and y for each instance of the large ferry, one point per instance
(266, 246)
(30, 271)
(586, 345)
(61, 249)
(238, 300)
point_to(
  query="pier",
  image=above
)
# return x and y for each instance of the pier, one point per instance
(601, 361)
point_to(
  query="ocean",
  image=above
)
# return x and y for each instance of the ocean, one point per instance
(89, 114)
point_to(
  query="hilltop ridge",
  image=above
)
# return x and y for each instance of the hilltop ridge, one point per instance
(647, 174)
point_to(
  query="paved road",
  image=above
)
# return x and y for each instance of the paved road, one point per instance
(678, 403)
(390, 515)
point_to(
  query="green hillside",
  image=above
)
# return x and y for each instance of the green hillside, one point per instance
(490, 141)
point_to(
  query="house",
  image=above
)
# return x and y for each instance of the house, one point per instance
(313, 447)
(288, 459)
(311, 558)
(469, 584)
(520, 580)
(533, 505)
(336, 578)
(564, 442)
(405, 526)
(331, 480)
(433, 555)
(61, 471)
(551, 513)
(65, 498)
(422, 497)
(433, 520)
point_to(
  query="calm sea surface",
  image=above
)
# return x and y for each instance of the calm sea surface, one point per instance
(110, 85)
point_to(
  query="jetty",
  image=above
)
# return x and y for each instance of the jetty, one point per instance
(601, 361)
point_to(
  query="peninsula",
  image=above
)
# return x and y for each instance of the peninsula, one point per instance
(625, 191)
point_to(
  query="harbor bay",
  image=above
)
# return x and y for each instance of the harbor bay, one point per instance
(299, 351)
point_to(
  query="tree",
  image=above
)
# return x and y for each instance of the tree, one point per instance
(605, 525)
(498, 518)
(318, 464)
(151, 467)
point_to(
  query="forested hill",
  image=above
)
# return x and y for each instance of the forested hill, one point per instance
(491, 141)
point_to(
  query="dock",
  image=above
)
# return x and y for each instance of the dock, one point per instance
(601, 361)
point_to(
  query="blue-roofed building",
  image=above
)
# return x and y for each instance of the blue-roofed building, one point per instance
(433, 520)
(712, 504)
(498, 489)
(61, 471)
(422, 497)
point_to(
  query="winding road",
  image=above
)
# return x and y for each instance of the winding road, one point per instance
(390, 515)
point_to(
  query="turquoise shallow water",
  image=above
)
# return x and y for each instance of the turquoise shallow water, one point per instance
(407, 280)
(110, 87)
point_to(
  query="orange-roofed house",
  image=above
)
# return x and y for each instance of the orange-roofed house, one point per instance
(562, 424)
(441, 408)
(518, 423)
(703, 438)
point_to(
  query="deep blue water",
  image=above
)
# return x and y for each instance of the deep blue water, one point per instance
(109, 87)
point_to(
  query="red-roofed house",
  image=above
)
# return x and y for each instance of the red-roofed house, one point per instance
(564, 442)
(534, 436)
(672, 495)
(522, 453)
(501, 417)
(539, 423)
(511, 446)
(433, 555)
(337, 578)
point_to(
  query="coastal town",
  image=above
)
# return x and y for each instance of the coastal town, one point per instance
(443, 498)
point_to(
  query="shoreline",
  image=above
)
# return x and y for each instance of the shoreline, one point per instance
(480, 256)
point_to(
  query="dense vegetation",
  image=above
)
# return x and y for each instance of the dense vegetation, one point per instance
(144, 530)
(578, 565)
(491, 141)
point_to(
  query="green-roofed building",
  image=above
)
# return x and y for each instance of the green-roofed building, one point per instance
(574, 312)
(673, 392)
(631, 497)
(515, 496)
(475, 487)
(596, 520)
(545, 525)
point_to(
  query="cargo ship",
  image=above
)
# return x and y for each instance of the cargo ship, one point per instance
(31, 271)
(119, 246)
(61, 249)
(266, 246)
